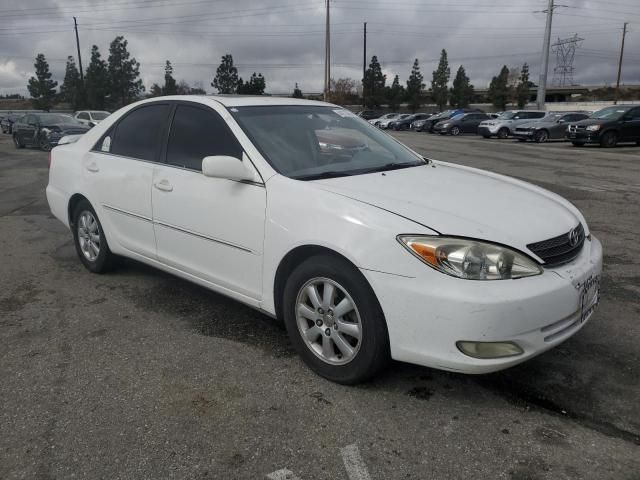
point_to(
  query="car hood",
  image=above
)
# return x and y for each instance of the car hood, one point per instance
(591, 121)
(538, 125)
(462, 201)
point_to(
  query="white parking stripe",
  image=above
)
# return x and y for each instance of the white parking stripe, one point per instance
(353, 463)
(283, 474)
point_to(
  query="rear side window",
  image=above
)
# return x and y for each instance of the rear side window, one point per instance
(139, 134)
(83, 115)
(534, 114)
(634, 114)
(197, 133)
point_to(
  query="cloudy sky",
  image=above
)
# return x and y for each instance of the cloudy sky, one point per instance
(284, 39)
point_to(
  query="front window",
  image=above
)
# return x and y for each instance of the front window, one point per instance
(309, 142)
(507, 116)
(610, 113)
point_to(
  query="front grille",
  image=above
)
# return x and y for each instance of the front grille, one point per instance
(558, 250)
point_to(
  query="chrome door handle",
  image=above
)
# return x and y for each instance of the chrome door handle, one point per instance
(163, 185)
(93, 167)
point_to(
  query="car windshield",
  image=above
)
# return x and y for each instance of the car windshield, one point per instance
(458, 116)
(55, 118)
(99, 115)
(403, 116)
(551, 117)
(507, 116)
(610, 113)
(311, 142)
(390, 115)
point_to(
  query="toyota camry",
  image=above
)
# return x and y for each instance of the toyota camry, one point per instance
(366, 250)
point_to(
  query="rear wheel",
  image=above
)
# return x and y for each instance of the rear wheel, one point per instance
(455, 131)
(542, 136)
(334, 320)
(503, 133)
(609, 140)
(91, 244)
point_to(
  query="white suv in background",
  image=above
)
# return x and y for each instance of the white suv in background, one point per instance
(505, 124)
(91, 117)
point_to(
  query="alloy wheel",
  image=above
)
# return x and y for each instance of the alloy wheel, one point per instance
(455, 131)
(542, 136)
(89, 236)
(328, 321)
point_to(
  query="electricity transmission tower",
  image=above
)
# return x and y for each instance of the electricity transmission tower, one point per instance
(565, 50)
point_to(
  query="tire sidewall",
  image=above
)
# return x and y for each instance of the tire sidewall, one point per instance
(455, 131)
(606, 136)
(503, 133)
(374, 349)
(103, 261)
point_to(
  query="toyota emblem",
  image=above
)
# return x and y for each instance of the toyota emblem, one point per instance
(574, 237)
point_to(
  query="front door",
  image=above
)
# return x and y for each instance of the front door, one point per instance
(120, 171)
(630, 130)
(211, 228)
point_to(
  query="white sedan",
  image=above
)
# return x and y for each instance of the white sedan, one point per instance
(366, 250)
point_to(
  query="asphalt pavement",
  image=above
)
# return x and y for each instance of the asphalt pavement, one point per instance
(139, 375)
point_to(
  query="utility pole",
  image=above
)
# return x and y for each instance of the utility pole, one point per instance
(624, 34)
(544, 62)
(364, 67)
(75, 25)
(327, 57)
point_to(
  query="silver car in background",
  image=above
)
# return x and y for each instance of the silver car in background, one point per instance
(505, 124)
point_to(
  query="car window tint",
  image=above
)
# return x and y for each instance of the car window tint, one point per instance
(197, 133)
(83, 116)
(635, 114)
(536, 114)
(138, 134)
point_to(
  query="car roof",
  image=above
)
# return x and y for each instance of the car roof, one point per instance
(247, 100)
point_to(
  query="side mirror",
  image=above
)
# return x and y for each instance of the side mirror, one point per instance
(230, 168)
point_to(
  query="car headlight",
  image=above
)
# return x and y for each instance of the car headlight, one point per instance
(470, 259)
(593, 128)
(444, 125)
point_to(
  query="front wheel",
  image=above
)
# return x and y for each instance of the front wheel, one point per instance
(542, 136)
(503, 133)
(45, 145)
(609, 140)
(334, 320)
(455, 131)
(88, 235)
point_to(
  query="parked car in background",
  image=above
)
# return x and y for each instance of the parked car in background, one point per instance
(419, 125)
(607, 127)
(6, 124)
(405, 123)
(384, 124)
(368, 114)
(552, 126)
(505, 124)
(214, 192)
(446, 115)
(386, 116)
(461, 123)
(44, 130)
(91, 118)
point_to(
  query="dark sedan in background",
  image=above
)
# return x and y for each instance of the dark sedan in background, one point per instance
(45, 130)
(405, 123)
(446, 115)
(607, 127)
(461, 123)
(551, 127)
(6, 124)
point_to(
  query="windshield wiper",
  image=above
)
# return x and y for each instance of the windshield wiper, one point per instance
(321, 175)
(392, 166)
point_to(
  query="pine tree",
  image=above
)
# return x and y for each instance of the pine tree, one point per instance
(170, 87)
(96, 81)
(226, 79)
(439, 89)
(462, 91)
(394, 93)
(124, 73)
(415, 85)
(155, 90)
(522, 89)
(71, 88)
(499, 89)
(297, 93)
(41, 88)
(373, 83)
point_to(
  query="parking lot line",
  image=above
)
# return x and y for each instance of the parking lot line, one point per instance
(353, 463)
(283, 474)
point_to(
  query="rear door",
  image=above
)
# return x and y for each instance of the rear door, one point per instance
(212, 228)
(119, 171)
(630, 129)
(471, 122)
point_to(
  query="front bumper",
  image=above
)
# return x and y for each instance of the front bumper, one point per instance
(583, 136)
(426, 316)
(487, 130)
(523, 134)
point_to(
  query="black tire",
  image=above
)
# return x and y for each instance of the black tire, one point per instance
(373, 347)
(577, 144)
(486, 136)
(541, 136)
(609, 139)
(455, 131)
(503, 133)
(44, 145)
(521, 139)
(104, 260)
(17, 142)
